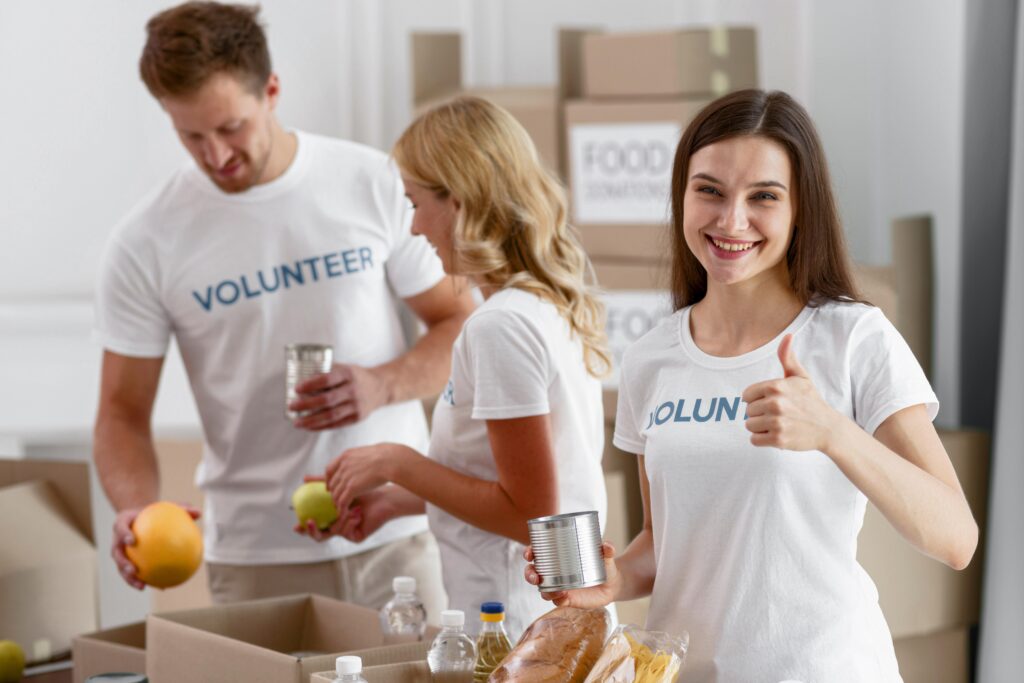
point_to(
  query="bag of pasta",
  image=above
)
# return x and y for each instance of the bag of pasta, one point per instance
(633, 655)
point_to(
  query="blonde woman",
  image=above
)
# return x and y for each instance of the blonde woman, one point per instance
(517, 433)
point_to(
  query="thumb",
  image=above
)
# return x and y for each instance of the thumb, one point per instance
(790, 365)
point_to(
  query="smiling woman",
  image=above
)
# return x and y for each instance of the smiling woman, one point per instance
(765, 413)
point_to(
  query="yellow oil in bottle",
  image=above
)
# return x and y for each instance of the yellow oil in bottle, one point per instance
(493, 644)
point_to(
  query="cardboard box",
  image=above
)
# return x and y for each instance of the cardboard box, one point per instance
(914, 276)
(610, 401)
(917, 593)
(398, 659)
(877, 284)
(404, 672)
(707, 62)
(943, 657)
(120, 649)
(625, 503)
(48, 584)
(261, 641)
(437, 77)
(620, 157)
(635, 299)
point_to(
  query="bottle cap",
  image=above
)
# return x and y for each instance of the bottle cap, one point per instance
(453, 617)
(347, 665)
(491, 612)
(404, 584)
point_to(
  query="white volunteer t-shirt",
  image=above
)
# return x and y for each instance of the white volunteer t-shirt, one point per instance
(312, 256)
(756, 547)
(514, 358)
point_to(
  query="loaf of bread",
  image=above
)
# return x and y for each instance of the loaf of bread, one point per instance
(559, 647)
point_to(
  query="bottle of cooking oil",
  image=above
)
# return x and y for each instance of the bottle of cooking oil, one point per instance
(493, 644)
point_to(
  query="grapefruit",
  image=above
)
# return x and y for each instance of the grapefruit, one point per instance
(168, 545)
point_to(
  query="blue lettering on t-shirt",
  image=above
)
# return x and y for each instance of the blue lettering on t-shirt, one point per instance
(448, 395)
(697, 410)
(298, 273)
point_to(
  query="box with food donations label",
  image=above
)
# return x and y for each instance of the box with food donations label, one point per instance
(636, 299)
(265, 641)
(707, 62)
(620, 157)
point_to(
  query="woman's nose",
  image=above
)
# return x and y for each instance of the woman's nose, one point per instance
(733, 217)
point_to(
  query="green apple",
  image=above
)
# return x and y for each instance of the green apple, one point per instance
(313, 501)
(12, 661)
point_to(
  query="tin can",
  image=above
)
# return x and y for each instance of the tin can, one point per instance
(567, 551)
(303, 361)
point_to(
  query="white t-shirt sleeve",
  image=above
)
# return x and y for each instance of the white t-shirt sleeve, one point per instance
(412, 266)
(627, 436)
(130, 320)
(510, 364)
(886, 376)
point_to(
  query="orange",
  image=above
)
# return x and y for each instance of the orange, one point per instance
(168, 545)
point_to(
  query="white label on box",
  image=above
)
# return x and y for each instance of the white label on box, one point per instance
(631, 314)
(622, 172)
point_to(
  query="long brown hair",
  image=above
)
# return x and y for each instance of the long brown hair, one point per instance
(511, 229)
(189, 43)
(819, 266)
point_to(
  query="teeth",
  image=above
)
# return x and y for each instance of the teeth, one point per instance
(732, 246)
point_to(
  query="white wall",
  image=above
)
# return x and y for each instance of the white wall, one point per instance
(886, 91)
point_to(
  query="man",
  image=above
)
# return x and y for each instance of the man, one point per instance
(271, 237)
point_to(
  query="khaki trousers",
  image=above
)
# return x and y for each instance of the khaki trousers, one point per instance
(363, 579)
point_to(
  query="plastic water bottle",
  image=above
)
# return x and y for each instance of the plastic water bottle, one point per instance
(492, 645)
(404, 618)
(452, 655)
(349, 669)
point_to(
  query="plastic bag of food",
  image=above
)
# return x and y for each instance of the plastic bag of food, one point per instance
(559, 647)
(633, 655)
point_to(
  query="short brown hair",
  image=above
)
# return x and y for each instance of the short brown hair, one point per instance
(819, 266)
(188, 44)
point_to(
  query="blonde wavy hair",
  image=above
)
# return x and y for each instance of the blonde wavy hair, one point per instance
(511, 229)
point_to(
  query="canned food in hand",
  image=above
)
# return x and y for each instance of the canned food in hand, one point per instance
(303, 361)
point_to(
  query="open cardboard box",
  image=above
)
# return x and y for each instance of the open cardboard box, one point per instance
(121, 649)
(264, 641)
(48, 585)
(403, 672)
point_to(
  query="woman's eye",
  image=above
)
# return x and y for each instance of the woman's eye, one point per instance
(707, 189)
(765, 196)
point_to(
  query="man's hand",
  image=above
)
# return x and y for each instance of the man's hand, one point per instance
(343, 396)
(123, 537)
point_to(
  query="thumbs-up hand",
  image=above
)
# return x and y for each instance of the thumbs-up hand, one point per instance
(789, 413)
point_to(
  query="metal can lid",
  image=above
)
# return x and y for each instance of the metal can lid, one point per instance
(117, 678)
